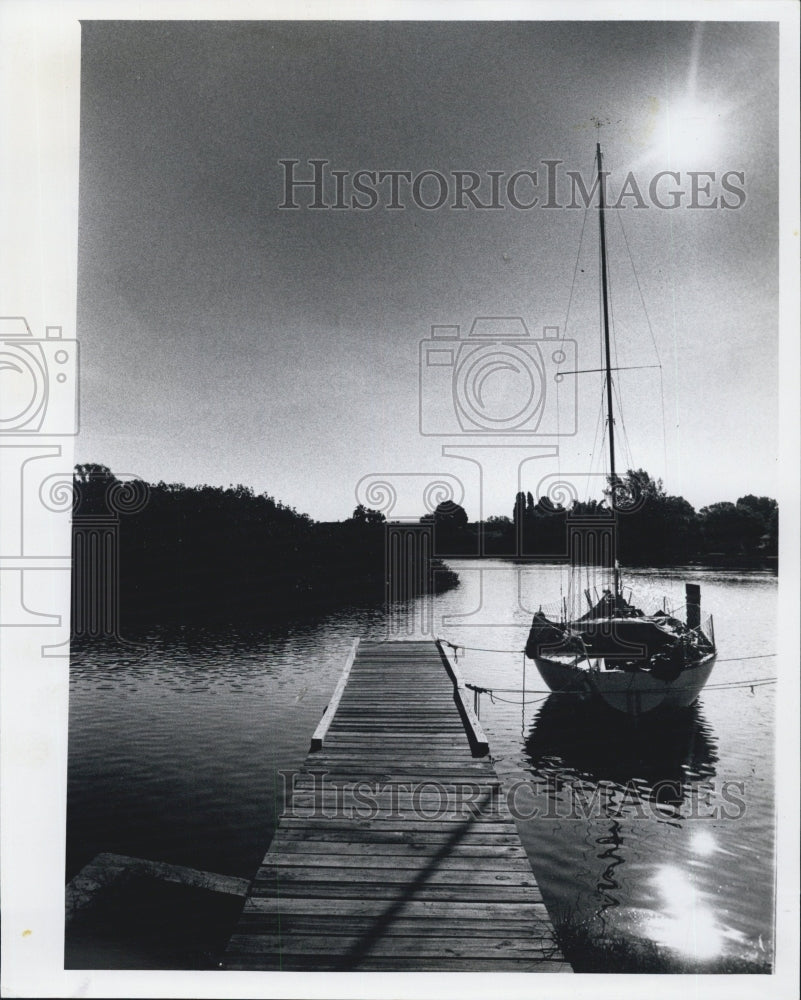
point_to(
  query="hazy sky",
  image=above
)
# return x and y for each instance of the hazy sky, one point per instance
(226, 340)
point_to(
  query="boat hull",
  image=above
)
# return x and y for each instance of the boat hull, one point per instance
(632, 692)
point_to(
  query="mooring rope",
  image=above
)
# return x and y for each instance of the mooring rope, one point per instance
(741, 684)
(731, 659)
(478, 649)
(493, 692)
(484, 649)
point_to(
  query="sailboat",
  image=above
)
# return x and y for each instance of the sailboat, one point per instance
(615, 652)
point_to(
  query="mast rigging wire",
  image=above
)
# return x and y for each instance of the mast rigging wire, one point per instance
(653, 337)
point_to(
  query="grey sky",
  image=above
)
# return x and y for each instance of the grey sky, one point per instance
(225, 340)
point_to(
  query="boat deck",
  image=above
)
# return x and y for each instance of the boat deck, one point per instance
(397, 850)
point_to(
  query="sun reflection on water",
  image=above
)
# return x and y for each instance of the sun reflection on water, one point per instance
(687, 923)
(702, 842)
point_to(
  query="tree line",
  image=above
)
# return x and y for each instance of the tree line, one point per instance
(653, 528)
(213, 554)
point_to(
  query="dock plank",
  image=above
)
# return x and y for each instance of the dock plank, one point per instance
(396, 850)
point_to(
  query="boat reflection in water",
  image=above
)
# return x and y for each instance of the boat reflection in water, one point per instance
(660, 760)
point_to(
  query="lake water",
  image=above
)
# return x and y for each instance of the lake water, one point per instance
(658, 831)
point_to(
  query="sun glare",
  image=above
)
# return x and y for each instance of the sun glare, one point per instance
(690, 133)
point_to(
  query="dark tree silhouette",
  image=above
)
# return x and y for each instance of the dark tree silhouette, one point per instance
(91, 483)
(452, 534)
(214, 554)
(767, 510)
(367, 516)
(519, 510)
(731, 528)
(450, 515)
(653, 527)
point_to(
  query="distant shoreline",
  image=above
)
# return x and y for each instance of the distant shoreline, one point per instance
(769, 564)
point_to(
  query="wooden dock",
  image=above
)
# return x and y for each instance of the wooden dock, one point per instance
(397, 851)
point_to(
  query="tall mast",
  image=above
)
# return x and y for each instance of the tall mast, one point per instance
(605, 294)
